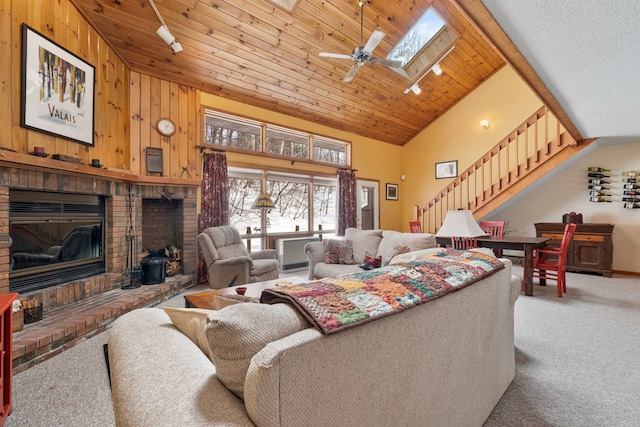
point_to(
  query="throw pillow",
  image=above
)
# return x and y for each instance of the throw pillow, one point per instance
(221, 301)
(191, 322)
(237, 332)
(371, 262)
(397, 250)
(338, 251)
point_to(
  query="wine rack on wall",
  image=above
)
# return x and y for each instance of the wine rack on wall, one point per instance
(605, 188)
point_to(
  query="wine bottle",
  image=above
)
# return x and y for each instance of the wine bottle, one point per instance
(597, 169)
(631, 199)
(599, 200)
(598, 187)
(631, 187)
(629, 180)
(632, 205)
(598, 181)
(631, 173)
(598, 175)
(631, 192)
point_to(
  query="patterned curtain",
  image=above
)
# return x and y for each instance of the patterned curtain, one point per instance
(347, 202)
(214, 209)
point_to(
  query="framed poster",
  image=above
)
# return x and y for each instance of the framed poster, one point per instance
(447, 169)
(392, 191)
(57, 89)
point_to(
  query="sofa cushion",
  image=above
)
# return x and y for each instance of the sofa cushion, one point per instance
(237, 332)
(415, 241)
(323, 269)
(364, 241)
(191, 322)
(337, 251)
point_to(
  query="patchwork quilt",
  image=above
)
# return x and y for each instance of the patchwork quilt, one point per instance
(335, 303)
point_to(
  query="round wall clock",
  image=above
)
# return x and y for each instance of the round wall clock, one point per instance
(165, 127)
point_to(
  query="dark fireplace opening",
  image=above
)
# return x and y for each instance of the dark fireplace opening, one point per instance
(54, 239)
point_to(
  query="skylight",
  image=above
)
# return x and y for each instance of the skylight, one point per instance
(417, 37)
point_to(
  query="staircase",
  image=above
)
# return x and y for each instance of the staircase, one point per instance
(531, 150)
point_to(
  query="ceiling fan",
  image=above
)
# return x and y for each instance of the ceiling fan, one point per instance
(363, 53)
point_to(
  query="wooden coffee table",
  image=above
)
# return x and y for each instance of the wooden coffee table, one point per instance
(205, 299)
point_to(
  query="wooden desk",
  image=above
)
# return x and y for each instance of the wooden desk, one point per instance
(528, 244)
(205, 299)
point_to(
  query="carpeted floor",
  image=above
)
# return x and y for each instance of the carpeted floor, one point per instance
(577, 364)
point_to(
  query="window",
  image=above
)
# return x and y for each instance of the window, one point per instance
(418, 36)
(427, 42)
(229, 131)
(329, 151)
(291, 197)
(287, 143)
(233, 132)
(302, 203)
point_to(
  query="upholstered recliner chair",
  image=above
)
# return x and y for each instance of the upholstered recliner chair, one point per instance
(228, 262)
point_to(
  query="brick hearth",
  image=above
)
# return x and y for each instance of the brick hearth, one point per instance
(69, 325)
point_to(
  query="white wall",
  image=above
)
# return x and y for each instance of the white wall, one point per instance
(565, 190)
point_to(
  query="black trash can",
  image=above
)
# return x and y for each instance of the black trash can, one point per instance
(153, 270)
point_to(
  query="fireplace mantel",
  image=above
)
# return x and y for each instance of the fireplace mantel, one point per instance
(32, 173)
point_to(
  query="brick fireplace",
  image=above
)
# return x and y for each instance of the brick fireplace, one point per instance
(164, 212)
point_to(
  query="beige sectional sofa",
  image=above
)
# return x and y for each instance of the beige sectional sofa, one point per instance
(380, 243)
(443, 363)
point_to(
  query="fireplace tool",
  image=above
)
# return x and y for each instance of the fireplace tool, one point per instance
(131, 235)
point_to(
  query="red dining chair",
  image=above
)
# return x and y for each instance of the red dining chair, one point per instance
(493, 228)
(551, 262)
(464, 242)
(415, 226)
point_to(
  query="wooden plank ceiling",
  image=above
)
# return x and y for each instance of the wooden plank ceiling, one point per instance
(255, 52)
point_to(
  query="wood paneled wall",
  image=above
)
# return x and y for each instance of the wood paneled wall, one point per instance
(151, 99)
(61, 22)
(127, 105)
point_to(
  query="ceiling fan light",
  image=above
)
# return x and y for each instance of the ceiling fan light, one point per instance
(436, 69)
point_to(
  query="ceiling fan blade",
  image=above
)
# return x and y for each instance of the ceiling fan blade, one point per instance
(392, 63)
(335, 55)
(373, 41)
(352, 72)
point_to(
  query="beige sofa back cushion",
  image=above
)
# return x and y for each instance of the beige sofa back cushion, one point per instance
(364, 241)
(392, 239)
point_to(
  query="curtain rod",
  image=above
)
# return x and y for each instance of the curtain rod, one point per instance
(204, 147)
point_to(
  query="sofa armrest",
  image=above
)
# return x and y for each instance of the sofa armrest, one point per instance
(264, 254)
(230, 272)
(315, 254)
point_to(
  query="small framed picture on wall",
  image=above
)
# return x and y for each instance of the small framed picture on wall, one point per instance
(392, 191)
(447, 169)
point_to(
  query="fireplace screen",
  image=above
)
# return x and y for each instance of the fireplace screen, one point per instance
(54, 239)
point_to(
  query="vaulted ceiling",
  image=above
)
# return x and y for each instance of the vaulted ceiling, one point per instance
(256, 52)
(579, 56)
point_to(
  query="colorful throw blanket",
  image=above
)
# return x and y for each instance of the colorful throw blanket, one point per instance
(336, 303)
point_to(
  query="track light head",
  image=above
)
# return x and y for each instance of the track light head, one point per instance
(436, 69)
(416, 89)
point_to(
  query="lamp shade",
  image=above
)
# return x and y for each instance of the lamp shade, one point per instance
(460, 224)
(263, 201)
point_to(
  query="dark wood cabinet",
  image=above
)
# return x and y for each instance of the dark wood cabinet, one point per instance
(591, 247)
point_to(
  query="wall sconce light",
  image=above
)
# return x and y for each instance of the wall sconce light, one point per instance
(164, 32)
(436, 69)
(484, 124)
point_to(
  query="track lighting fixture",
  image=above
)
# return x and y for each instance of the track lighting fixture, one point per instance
(164, 32)
(435, 68)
